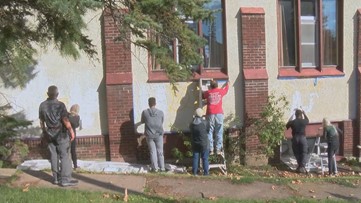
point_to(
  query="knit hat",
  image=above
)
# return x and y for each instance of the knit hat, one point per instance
(199, 112)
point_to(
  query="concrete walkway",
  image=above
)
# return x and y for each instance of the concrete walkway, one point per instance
(92, 175)
(115, 177)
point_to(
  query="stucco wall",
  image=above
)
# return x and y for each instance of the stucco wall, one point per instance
(78, 81)
(332, 97)
(179, 106)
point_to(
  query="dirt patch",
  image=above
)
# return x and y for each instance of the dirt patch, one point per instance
(195, 187)
(324, 191)
(3, 181)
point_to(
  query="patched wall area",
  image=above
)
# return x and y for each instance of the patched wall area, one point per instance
(79, 82)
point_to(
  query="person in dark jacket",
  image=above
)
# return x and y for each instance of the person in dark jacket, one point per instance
(200, 142)
(331, 133)
(55, 124)
(299, 142)
(74, 119)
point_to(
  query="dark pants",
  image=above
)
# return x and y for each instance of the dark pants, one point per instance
(73, 153)
(333, 145)
(204, 156)
(300, 149)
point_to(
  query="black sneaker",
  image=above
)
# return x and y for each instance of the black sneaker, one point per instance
(303, 170)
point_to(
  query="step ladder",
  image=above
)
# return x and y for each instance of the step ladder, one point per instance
(220, 162)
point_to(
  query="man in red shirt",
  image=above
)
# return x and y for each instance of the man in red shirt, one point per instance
(214, 114)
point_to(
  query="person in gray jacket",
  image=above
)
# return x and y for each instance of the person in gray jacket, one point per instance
(200, 142)
(153, 119)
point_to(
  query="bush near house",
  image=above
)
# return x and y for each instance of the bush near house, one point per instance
(269, 127)
(12, 149)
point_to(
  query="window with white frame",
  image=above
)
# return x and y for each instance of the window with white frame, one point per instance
(311, 34)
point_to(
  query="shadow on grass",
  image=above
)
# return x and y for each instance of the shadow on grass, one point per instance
(347, 198)
(97, 183)
(40, 175)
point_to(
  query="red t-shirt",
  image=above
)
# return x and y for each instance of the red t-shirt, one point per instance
(214, 100)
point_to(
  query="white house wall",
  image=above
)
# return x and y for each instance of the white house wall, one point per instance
(78, 81)
(331, 97)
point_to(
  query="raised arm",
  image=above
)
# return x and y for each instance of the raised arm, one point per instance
(304, 114)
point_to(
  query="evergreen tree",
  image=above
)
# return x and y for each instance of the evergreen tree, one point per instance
(156, 24)
(28, 24)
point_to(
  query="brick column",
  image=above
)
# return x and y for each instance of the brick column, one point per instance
(358, 118)
(347, 148)
(119, 93)
(255, 75)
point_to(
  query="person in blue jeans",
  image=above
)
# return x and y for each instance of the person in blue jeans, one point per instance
(215, 115)
(332, 133)
(200, 142)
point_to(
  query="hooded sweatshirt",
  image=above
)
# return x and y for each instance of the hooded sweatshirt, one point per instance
(153, 119)
(198, 129)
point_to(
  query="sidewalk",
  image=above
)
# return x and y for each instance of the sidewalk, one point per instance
(185, 186)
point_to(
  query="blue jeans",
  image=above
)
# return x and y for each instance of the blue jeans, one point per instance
(204, 156)
(215, 122)
(333, 145)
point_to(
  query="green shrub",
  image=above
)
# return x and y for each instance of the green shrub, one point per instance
(12, 150)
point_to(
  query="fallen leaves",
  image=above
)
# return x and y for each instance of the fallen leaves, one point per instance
(212, 198)
(296, 182)
(26, 187)
(115, 196)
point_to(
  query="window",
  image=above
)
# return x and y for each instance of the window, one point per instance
(214, 52)
(311, 36)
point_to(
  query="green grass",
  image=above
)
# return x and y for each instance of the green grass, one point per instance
(61, 195)
(269, 174)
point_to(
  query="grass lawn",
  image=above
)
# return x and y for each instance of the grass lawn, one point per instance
(238, 175)
(35, 195)
(61, 195)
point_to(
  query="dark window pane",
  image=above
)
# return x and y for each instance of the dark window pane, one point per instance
(308, 7)
(330, 36)
(287, 20)
(214, 51)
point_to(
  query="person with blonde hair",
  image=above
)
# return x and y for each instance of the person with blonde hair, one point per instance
(331, 133)
(74, 119)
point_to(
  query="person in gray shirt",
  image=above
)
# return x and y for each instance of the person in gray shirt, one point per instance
(153, 119)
